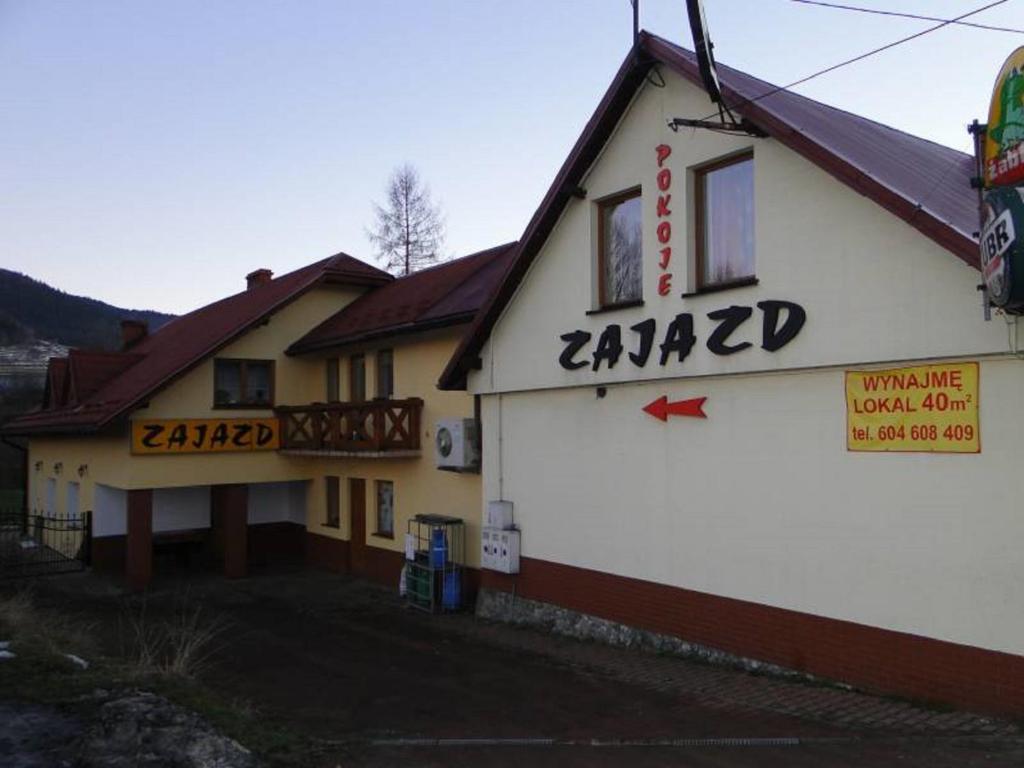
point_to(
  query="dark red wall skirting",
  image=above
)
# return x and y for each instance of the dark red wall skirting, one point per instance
(875, 659)
(229, 515)
(108, 554)
(139, 549)
(381, 565)
(326, 552)
(271, 543)
(385, 567)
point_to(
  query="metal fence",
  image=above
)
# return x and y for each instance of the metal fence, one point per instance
(40, 545)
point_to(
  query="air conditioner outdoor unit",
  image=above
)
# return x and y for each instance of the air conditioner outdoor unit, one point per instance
(456, 446)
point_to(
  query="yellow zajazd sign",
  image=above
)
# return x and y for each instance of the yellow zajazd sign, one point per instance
(927, 408)
(167, 436)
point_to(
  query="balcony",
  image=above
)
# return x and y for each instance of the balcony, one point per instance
(377, 428)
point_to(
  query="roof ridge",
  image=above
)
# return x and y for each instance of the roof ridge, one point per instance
(457, 259)
(778, 89)
(490, 253)
(237, 294)
(427, 296)
(102, 353)
(340, 257)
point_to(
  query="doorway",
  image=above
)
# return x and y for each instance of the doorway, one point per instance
(357, 523)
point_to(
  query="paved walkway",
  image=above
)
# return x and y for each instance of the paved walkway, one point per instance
(732, 689)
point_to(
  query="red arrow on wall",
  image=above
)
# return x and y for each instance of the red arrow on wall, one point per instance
(662, 408)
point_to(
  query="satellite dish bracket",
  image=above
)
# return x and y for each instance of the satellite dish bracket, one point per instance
(725, 126)
(704, 50)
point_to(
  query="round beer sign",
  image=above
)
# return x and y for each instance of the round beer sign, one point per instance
(1004, 139)
(1002, 254)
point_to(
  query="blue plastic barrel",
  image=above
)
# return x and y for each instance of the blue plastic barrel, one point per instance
(438, 548)
(451, 597)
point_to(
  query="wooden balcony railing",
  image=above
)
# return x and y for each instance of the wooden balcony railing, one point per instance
(376, 426)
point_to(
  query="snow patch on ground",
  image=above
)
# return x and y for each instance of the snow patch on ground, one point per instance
(78, 661)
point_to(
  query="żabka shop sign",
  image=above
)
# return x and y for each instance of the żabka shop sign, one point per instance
(161, 437)
(1004, 136)
(1002, 232)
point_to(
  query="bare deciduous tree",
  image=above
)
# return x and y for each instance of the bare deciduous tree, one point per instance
(409, 227)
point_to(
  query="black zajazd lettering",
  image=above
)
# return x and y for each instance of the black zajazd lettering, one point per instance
(200, 437)
(609, 346)
(782, 321)
(646, 329)
(264, 434)
(574, 342)
(679, 338)
(220, 435)
(152, 432)
(179, 436)
(729, 319)
(775, 338)
(241, 433)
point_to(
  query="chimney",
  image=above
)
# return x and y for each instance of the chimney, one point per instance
(257, 278)
(132, 332)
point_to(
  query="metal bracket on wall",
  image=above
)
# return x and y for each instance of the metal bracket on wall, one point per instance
(744, 126)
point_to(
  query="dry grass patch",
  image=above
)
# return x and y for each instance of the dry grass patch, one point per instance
(38, 631)
(179, 645)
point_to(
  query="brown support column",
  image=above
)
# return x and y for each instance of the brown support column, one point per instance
(139, 544)
(234, 516)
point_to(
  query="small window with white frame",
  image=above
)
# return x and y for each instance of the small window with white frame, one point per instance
(385, 508)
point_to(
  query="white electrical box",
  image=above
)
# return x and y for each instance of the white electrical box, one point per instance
(499, 550)
(499, 514)
(456, 444)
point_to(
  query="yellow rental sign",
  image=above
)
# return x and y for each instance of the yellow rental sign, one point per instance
(170, 436)
(927, 408)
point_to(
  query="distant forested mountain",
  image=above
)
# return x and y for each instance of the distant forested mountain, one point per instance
(31, 310)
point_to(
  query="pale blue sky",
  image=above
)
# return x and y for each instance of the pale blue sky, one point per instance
(152, 153)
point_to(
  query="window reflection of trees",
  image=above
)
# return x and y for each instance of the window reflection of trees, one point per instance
(623, 252)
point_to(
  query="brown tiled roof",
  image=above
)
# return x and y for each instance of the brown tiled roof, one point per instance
(924, 183)
(55, 391)
(177, 347)
(88, 371)
(447, 294)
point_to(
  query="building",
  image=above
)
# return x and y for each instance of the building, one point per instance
(738, 388)
(290, 421)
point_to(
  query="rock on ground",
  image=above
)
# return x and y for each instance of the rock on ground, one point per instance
(36, 737)
(145, 730)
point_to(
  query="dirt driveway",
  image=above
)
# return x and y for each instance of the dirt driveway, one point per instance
(366, 681)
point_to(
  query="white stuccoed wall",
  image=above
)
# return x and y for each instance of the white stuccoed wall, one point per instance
(874, 288)
(277, 503)
(181, 509)
(176, 509)
(110, 511)
(761, 501)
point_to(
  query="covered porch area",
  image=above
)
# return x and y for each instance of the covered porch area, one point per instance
(141, 533)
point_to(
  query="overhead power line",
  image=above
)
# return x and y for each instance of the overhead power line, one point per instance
(855, 59)
(879, 12)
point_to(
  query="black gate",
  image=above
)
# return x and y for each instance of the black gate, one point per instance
(40, 545)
